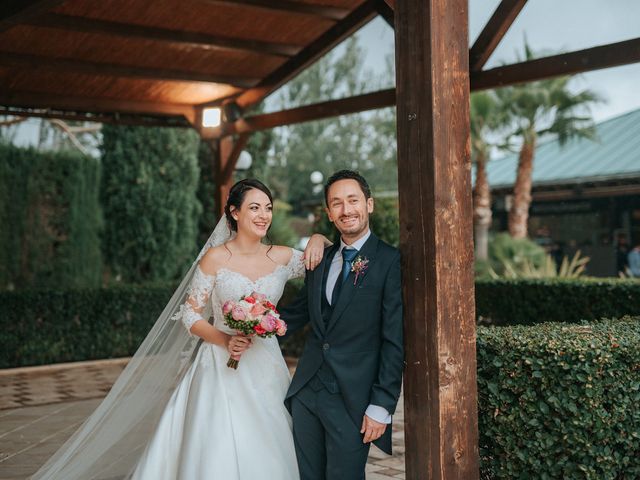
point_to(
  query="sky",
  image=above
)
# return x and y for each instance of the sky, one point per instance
(548, 25)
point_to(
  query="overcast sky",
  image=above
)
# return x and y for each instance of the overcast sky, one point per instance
(550, 25)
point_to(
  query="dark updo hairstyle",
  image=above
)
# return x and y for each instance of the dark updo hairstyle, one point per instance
(237, 194)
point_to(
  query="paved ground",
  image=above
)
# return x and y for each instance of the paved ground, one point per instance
(40, 407)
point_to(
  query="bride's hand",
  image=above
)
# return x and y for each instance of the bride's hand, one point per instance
(237, 345)
(315, 250)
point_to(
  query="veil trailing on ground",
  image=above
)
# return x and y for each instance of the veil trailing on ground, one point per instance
(110, 442)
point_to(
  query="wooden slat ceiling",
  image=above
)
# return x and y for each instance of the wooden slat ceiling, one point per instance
(162, 56)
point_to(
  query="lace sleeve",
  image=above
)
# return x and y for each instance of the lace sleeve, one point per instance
(198, 294)
(296, 264)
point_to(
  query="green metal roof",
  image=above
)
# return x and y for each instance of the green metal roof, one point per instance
(615, 154)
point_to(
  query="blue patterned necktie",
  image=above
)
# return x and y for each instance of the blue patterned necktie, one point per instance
(348, 255)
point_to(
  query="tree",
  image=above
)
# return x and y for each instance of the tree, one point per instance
(487, 117)
(537, 109)
(151, 211)
(349, 141)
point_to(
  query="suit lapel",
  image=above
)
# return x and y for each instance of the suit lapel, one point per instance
(348, 290)
(318, 283)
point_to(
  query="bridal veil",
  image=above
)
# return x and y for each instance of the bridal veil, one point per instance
(109, 443)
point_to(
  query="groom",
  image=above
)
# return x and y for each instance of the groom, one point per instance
(347, 382)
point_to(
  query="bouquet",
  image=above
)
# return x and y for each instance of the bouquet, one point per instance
(253, 315)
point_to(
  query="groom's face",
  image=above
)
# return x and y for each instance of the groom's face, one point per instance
(348, 208)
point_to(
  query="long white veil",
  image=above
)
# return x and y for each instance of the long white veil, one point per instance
(110, 442)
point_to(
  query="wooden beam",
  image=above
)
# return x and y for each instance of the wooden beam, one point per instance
(232, 160)
(385, 10)
(14, 12)
(222, 151)
(91, 104)
(287, 6)
(191, 39)
(66, 65)
(340, 31)
(316, 111)
(493, 32)
(434, 168)
(595, 58)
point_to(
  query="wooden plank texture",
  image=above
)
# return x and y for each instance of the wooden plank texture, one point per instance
(436, 239)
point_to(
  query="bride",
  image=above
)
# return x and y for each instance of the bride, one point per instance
(177, 411)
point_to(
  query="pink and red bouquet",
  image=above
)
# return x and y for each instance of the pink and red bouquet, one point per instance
(253, 315)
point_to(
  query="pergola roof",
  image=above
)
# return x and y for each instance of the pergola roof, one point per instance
(161, 57)
(162, 61)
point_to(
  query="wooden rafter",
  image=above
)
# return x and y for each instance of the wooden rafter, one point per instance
(595, 58)
(232, 160)
(385, 9)
(14, 12)
(66, 65)
(493, 32)
(307, 113)
(193, 39)
(340, 31)
(86, 104)
(287, 6)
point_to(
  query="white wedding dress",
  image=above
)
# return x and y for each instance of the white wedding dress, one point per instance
(220, 423)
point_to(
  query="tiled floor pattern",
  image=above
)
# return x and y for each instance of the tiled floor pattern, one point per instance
(40, 407)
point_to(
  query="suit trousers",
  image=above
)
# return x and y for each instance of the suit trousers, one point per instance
(328, 443)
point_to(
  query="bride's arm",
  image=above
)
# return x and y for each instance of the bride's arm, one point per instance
(314, 251)
(199, 293)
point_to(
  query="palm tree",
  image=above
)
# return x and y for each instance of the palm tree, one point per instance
(486, 118)
(536, 109)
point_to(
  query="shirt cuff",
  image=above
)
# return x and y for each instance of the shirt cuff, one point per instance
(378, 414)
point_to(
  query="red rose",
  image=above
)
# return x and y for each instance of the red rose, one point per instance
(249, 299)
(259, 330)
(270, 306)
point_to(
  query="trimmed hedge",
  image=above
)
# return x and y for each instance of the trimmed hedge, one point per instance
(50, 219)
(530, 301)
(40, 327)
(560, 401)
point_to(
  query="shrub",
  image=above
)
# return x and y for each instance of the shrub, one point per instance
(529, 301)
(51, 219)
(149, 197)
(560, 401)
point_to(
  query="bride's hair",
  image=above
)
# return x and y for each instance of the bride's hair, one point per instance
(237, 194)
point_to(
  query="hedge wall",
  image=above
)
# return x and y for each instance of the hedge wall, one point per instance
(50, 219)
(555, 300)
(560, 401)
(40, 327)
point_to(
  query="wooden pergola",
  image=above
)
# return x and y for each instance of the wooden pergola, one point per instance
(162, 62)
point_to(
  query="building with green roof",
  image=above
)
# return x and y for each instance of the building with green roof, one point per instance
(586, 194)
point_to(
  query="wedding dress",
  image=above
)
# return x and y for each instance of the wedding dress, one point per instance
(177, 411)
(222, 423)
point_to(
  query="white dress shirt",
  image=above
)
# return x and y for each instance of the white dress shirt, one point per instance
(374, 412)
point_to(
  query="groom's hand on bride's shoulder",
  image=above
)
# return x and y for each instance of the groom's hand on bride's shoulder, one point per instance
(371, 429)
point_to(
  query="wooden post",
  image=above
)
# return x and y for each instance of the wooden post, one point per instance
(432, 82)
(222, 152)
(226, 154)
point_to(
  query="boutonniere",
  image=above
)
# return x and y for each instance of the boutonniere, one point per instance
(359, 267)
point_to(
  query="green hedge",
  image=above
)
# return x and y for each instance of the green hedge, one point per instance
(560, 401)
(50, 219)
(40, 327)
(555, 300)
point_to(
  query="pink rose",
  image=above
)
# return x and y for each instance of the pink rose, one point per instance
(259, 296)
(238, 313)
(258, 309)
(227, 307)
(268, 322)
(281, 327)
